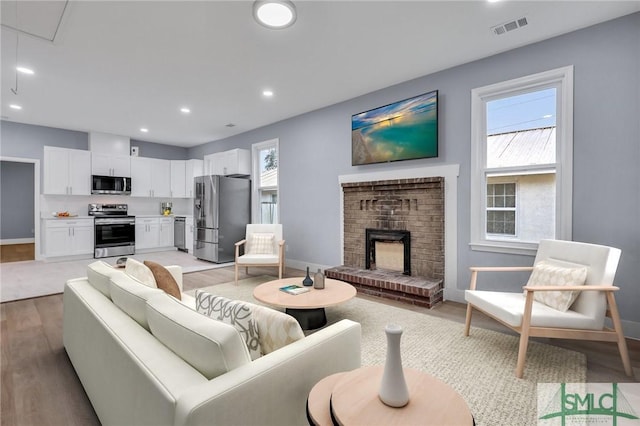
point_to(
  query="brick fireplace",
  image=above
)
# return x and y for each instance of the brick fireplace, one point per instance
(405, 258)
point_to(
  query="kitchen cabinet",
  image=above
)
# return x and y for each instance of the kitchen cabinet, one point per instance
(178, 179)
(194, 168)
(67, 171)
(182, 174)
(154, 232)
(235, 162)
(147, 233)
(68, 237)
(188, 234)
(110, 165)
(165, 234)
(150, 177)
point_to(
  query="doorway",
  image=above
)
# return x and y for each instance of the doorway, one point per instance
(19, 209)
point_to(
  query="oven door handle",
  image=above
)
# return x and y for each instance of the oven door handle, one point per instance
(115, 222)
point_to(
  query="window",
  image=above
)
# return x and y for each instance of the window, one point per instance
(265, 178)
(501, 208)
(521, 152)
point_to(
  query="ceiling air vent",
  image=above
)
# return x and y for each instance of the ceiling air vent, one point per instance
(509, 26)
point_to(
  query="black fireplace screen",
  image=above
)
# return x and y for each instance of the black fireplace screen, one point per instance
(387, 236)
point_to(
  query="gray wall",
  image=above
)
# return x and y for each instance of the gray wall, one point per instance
(315, 150)
(16, 200)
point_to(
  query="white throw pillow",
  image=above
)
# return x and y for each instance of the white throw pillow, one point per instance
(261, 243)
(549, 274)
(141, 272)
(275, 329)
(235, 313)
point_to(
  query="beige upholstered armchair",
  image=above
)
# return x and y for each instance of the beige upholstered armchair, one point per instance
(568, 295)
(263, 246)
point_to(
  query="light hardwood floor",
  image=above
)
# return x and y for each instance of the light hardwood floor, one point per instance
(17, 252)
(40, 387)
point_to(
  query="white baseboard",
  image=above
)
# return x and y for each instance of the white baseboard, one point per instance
(17, 241)
(299, 264)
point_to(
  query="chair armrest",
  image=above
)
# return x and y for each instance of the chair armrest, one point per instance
(571, 288)
(293, 370)
(281, 243)
(500, 268)
(241, 242)
(476, 269)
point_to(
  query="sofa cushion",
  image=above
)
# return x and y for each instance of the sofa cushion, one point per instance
(261, 243)
(211, 347)
(546, 273)
(164, 279)
(141, 272)
(99, 274)
(232, 312)
(130, 295)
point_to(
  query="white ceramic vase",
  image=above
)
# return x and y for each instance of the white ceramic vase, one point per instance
(393, 388)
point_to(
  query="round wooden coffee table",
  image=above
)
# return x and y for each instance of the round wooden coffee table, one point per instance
(352, 399)
(307, 308)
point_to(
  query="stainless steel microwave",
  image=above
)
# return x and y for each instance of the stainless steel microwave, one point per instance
(110, 185)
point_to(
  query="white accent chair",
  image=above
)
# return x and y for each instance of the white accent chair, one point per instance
(585, 318)
(272, 257)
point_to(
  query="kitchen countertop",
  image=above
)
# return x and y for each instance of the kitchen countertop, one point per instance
(50, 217)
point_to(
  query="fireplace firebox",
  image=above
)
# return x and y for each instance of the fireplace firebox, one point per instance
(388, 249)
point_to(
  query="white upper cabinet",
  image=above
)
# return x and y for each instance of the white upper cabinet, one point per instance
(110, 165)
(235, 162)
(182, 174)
(150, 177)
(67, 171)
(178, 178)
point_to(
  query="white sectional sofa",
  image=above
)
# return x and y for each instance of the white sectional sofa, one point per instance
(145, 358)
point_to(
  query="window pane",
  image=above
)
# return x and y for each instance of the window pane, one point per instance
(268, 206)
(521, 129)
(268, 167)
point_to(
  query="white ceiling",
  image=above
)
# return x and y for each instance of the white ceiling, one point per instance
(116, 66)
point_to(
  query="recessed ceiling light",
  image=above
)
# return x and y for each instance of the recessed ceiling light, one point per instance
(274, 14)
(25, 70)
(267, 93)
(185, 110)
(493, 1)
(14, 106)
(144, 129)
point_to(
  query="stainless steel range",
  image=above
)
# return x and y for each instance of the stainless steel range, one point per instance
(115, 230)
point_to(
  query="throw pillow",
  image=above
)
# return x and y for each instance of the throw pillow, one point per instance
(261, 244)
(232, 312)
(275, 329)
(164, 279)
(547, 273)
(141, 272)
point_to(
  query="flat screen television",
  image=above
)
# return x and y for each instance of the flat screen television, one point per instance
(403, 130)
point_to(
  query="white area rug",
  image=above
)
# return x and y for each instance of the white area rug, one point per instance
(22, 280)
(480, 367)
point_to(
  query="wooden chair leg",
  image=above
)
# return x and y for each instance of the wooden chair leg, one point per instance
(280, 271)
(617, 325)
(524, 335)
(467, 322)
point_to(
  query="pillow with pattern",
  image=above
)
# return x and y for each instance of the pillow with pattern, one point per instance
(549, 274)
(235, 313)
(261, 243)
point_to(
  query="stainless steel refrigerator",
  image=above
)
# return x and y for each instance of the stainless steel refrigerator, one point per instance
(221, 211)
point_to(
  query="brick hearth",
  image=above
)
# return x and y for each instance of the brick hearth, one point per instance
(415, 205)
(391, 285)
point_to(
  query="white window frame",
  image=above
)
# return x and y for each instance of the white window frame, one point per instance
(505, 209)
(562, 80)
(255, 178)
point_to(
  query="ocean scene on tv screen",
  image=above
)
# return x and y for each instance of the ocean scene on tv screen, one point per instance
(403, 130)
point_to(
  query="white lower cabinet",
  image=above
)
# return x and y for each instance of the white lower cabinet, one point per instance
(147, 233)
(68, 237)
(154, 232)
(188, 234)
(166, 232)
